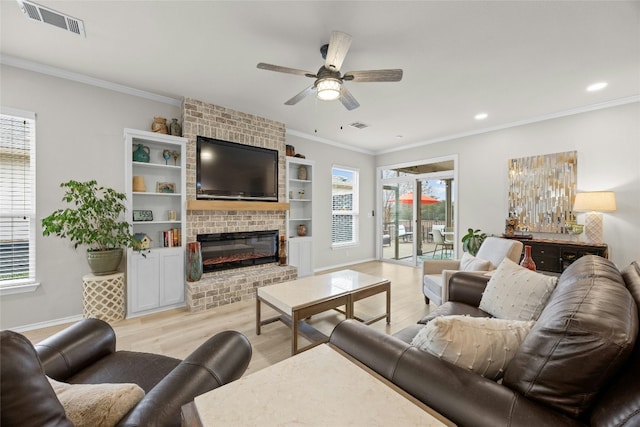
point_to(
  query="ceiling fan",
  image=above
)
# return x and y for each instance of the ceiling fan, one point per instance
(328, 85)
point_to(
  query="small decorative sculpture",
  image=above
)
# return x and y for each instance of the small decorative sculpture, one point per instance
(159, 125)
(142, 241)
(175, 154)
(166, 155)
(510, 227)
(175, 128)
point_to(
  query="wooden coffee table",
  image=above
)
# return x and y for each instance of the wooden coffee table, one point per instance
(303, 298)
(320, 387)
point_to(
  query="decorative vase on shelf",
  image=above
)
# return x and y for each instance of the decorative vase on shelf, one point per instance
(527, 261)
(174, 128)
(302, 173)
(302, 230)
(159, 125)
(282, 251)
(141, 153)
(138, 185)
(194, 262)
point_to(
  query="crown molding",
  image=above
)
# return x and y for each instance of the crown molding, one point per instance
(81, 78)
(328, 142)
(536, 119)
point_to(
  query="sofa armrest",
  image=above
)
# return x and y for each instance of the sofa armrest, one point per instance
(467, 287)
(460, 395)
(378, 351)
(76, 347)
(219, 360)
(436, 266)
(469, 399)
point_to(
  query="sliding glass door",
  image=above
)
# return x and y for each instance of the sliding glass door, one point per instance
(418, 215)
(398, 221)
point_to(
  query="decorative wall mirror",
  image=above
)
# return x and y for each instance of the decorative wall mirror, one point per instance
(542, 190)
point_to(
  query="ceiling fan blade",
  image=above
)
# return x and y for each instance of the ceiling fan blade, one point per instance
(287, 70)
(347, 99)
(394, 75)
(299, 97)
(338, 48)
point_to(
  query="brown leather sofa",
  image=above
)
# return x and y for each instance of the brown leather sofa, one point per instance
(578, 366)
(85, 353)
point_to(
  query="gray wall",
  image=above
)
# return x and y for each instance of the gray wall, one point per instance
(608, 145)
(325, 157)
(79, 132)
(80, 136)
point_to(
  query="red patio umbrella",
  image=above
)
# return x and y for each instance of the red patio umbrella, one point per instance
(408, 199)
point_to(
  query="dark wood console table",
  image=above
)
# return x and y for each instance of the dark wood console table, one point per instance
(556, 255)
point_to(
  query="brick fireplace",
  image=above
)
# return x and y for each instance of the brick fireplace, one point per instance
(224, 287)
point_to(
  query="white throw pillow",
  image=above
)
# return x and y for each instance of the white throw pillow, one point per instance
(482, 345)
(516, 293)
(470, 263)
(96, 405)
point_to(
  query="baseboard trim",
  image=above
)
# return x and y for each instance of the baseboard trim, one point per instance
(48, 323)
(333, 267)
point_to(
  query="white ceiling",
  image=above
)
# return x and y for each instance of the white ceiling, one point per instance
(515, 60)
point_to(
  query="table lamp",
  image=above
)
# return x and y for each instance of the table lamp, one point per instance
(594, 203)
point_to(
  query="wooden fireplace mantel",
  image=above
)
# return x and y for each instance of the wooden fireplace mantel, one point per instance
(234, 205)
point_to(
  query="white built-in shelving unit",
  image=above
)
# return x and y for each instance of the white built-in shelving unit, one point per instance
(155, 276)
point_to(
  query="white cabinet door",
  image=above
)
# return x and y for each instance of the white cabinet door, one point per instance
(172, 276)
(301, 255)
(145, 273)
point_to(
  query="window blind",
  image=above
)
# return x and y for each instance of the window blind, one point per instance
(17, 197)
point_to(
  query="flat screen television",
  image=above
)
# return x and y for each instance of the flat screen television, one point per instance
(230, 171)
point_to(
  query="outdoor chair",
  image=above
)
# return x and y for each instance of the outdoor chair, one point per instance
(444, 244)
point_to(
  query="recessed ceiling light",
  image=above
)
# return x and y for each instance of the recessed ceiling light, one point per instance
(481, 116)
(597, 86)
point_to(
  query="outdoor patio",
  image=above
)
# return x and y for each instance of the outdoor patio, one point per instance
(406, 246)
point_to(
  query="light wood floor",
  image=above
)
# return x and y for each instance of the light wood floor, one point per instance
(177, 333)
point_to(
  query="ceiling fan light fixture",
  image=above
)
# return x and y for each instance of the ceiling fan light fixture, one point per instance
(328, 89)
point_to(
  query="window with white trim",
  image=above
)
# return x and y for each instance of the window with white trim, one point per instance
(344, 206)
(17, 198)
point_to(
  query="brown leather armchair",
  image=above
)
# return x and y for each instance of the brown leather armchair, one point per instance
(85, 353)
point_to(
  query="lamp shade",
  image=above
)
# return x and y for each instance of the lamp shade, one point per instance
(595, 201)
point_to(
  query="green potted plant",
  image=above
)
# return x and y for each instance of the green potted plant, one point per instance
(472, 240)
(93, 220)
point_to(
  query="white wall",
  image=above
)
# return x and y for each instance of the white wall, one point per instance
(325, 157)
(79, 132)
(608, 145)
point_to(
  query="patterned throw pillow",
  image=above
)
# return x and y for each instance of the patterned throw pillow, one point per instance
(470, 263)
(516, 293)
(480, 344)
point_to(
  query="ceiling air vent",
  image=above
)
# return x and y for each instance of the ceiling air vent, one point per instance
(358, 125)
(49, 16)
